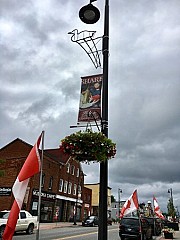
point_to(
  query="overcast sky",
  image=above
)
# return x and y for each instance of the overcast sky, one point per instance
(41, 70)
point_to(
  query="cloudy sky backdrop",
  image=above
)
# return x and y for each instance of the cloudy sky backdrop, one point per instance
(40, 70)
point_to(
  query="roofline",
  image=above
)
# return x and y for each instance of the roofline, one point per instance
(95, 184)
(17, 139)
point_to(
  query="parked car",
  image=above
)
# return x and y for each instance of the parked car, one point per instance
(94, 220)
(90, 221)
(156, 225)
(134, 227)
(26, 222)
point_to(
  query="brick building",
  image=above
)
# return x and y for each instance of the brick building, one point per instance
(62, 194)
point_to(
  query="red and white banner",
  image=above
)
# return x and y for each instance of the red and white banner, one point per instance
(157, 210)
(90, 98)
(30, 168)
(130, 205)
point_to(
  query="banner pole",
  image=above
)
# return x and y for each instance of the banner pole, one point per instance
(40, 186)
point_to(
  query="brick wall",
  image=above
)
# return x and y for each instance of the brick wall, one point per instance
(13, 156)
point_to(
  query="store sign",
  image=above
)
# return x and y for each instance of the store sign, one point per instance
(5, 191)
(46, 195)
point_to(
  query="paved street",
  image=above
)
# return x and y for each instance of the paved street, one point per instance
(67, 224)
(68, 231)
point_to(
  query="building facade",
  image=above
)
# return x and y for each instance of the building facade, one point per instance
(62, 191)
(95, 199)
(116, 208)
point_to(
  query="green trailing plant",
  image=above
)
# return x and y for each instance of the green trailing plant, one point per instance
(87, 146)
(167, 230)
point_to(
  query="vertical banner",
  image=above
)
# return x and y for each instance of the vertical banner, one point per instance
(90, 98)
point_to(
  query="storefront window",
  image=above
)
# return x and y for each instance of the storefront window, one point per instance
(46, 211)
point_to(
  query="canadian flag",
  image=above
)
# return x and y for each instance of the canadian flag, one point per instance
(157, 210)
(130, 205)
(30, 168)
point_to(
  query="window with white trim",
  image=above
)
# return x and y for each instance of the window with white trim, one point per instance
(77, 174)
(50, 182)
(65, 186)
(72, 169)
(60, 185)
(74, 189)
(69, 188)
(43, 180)
(68, 168)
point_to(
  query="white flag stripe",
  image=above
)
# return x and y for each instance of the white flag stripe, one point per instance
(131, 209)
(130, 205)
(157, 209)
(19, 190)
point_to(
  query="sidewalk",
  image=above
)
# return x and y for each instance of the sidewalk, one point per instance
(58, 225)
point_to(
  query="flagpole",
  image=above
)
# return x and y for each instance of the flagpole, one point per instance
(154, 220)
(40, 186)
(153, 216)
(139, 217)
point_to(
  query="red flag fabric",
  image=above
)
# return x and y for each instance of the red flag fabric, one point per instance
(157, 210)
(32, 163)
(30, 168)
(130, 205)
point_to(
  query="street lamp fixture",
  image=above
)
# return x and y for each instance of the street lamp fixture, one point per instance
(89, 14)
(170, 191)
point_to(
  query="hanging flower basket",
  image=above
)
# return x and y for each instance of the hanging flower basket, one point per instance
(168, 233)
(88, 146)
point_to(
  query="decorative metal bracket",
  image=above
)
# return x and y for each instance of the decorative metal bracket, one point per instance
(97, 117)
(89, 43)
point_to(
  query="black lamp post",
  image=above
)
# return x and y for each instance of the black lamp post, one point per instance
(170, 191)
(119, 199)
(89, 15)
(177, 212)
